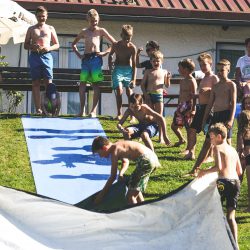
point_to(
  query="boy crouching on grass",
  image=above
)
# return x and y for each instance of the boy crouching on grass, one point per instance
(227, 164)
(146, 162)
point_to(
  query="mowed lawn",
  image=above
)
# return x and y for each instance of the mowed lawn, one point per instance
(15, 171)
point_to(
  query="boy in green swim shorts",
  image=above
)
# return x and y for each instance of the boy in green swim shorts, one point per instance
(146, 162)
(91, 71)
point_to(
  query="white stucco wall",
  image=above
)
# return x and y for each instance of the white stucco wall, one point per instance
(176, 40)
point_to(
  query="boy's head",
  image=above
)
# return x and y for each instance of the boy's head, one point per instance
(245, 103)
(156, 59)
(41, 14)
(205, 61)
(127, 33)
(217, 133)
(93, 17)
(100, 145)
(247, 43)
(223, 68)
(152, 46)
(186, 65)
(135, 101)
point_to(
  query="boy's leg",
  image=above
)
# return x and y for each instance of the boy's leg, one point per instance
(232, 223)
(159, 109)
(96, 98)
(178, 133)
(119, 92)
(248, 186)
(82, 90)
(147, 140)
(36, 95)
(129, 92)
(191, 142)
(132, 196)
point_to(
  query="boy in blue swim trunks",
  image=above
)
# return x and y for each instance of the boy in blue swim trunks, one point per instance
(123, 74)
(228, 166)
(40, 40)
(153, 83)
(149, 122)
(223, 101)
(146, 162)
(91, 71)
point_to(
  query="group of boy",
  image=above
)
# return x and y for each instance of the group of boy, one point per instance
(215, 92)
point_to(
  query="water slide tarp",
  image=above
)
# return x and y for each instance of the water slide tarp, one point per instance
(189, 219)
(62, 162)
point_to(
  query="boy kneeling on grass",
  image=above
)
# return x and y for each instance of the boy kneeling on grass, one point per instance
(228, 166)
(146, 162)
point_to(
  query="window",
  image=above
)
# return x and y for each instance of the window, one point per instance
(232, 52)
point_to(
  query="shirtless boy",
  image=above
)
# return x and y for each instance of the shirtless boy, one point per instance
(40, 39)
(204, 90)
(91, 71)
(153, 83)
(227, 164)
(146, 162)
(123, 74)
(186, 103)
(149, 122)
(223, 101)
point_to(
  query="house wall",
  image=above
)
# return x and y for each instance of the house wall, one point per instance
(177, 41)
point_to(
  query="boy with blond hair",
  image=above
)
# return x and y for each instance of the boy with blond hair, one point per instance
(124, 72)
(228, 166)
(223, 102)
(146, 162)
(205, 61)
(91, 71)
(153, 83)
(186, 103)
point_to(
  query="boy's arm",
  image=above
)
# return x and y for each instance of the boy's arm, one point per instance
(76, 40)
(127, 113)
(193, 92)
(110, 58)
(208, 107)
(144, 83)
(27, 42)
(138, 65)
(109, 182)
(238, 167)
(167, 77)
(233, 93)
(108, 36)
(133, 59)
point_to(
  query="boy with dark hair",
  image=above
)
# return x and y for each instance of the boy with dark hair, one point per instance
(149, 122)
(227, 164)
(146, 162)
(186, 103)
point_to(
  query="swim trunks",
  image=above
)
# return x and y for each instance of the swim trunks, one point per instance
(155, 97)
(151, 128)
(91, 71)
(229, 190)
(182, 115)
(41, 66)
(121, 75)
(145, 165)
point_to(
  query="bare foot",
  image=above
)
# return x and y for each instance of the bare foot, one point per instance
(185, 152)
(119, 117)
(39, 112)
(189, 156)
(179, 143)
(92, 115)
(209, 159)
(192, 173)
(133, 120)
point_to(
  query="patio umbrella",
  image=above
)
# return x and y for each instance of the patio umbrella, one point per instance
(14, 22)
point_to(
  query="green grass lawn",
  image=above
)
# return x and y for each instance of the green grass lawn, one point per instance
(15, 168)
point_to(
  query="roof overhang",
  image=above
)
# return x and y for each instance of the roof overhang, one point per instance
(141, 14)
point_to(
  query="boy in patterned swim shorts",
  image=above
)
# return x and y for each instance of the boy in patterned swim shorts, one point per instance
(146, 162)
(228, 166)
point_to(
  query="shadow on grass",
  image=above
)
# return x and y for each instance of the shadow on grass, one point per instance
(243, 219)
